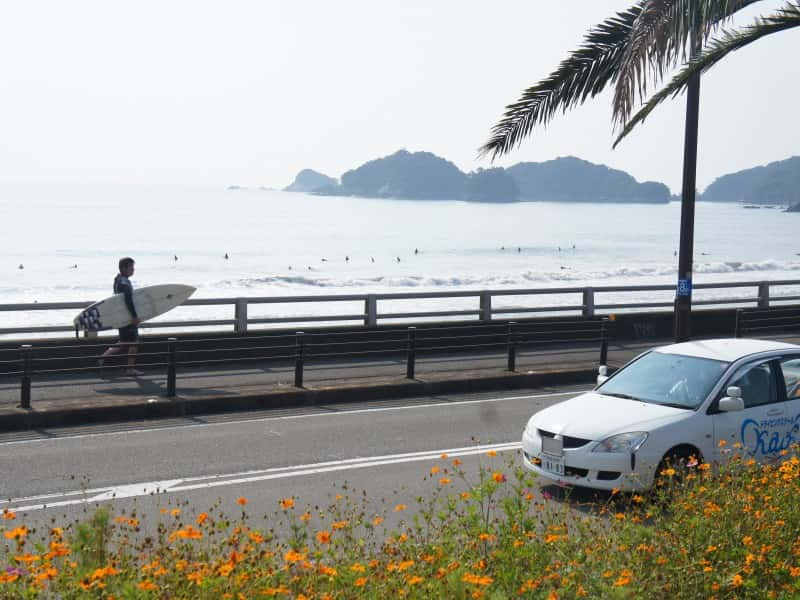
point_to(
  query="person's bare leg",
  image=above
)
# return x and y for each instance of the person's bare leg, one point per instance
(132, 370)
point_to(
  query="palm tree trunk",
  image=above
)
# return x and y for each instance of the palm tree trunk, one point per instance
(683, 297)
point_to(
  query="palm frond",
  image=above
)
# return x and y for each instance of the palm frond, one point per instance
(585, 72)
(785, 18)
(661, 36)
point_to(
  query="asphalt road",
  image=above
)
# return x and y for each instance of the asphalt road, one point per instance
(381, 451)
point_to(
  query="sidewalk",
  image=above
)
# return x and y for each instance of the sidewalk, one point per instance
(80, 399)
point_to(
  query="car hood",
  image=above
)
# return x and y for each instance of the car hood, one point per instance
(595, 416)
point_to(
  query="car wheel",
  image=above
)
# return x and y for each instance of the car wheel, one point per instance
(674, 466)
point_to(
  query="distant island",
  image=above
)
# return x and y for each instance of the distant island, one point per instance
(425, 176)
(775, 183)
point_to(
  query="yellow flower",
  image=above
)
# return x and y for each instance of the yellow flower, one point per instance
(400, 507)
(737, 580)
(491, 453)
(287, 503)
(722, 443)
(358, 568)
(305, 517)
(18, 533)
(339, 525)
(434, 470)
(8, 515)
(292, 557)
(378, 520)
(443, 456)
(414, 579)
(360, 582)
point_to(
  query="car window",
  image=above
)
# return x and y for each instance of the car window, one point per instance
(664, 378)
(757, 384)
(791, 377)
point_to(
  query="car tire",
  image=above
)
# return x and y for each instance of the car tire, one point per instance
(678, 459)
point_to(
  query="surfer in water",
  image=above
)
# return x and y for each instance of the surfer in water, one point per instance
(128, 335)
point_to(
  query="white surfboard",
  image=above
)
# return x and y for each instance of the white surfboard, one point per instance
(149, 302)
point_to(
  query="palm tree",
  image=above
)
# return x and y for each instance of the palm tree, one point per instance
(630, 50)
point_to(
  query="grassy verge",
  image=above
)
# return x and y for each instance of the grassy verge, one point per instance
(732, 533)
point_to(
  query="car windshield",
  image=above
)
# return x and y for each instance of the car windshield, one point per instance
(668, 379)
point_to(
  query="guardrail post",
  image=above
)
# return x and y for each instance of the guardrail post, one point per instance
(486, 306)
(412, 352)
(371, 311)
(171, 367)
(588, 303)
(512, 347)
(240, 316)
(737, 328)
(763, 294)
(25, 392)
(298, 360)
(604, 341)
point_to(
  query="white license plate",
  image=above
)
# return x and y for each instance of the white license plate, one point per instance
(553, 464)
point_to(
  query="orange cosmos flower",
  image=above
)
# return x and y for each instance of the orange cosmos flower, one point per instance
(360, 582)
(324, 537)
(377, 521)
(305, 517)
(400, 507)
(8, 515)
(241, 501)
(456, 462)
(491, 453)
(17, 533)
(434, 470)
(444, 481)
(498, 477)
(287, 503)
(443, 456)
(202, 518)
(147, 585)
(339, 525)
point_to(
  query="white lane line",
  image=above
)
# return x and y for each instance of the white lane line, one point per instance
(290, 417)
(134, 490)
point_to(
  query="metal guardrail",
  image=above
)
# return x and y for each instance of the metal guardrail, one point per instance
(302, 347)
(585, 303)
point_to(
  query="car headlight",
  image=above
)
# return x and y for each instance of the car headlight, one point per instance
(623, 442)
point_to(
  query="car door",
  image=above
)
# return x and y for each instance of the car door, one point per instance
(790, 378)
(761, 426)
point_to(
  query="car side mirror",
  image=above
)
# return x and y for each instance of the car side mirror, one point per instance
(602, 374)
(732, 402)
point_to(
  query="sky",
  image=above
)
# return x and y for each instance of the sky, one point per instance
(249, 92)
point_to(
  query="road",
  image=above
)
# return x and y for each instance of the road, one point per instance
(381, 449)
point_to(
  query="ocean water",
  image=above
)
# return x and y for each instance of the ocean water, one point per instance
(69, 237)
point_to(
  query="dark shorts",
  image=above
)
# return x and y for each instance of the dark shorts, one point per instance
(129, 334)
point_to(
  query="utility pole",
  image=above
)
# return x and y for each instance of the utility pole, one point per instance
(683, 296)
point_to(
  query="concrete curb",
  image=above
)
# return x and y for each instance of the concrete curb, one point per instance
(21, 419)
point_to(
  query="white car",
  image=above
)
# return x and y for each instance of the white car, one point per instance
(695, 399)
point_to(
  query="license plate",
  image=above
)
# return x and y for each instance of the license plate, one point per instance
(553, 464)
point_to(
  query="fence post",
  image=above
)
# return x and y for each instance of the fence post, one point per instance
(763, 294)
(25, 392)
(171, 370)
(412, 352)
(370, 311)
(486, 306)
(737, 328)
(512, 347)
(298, 360)
(588, 303)
(604, 341)
(240, 316)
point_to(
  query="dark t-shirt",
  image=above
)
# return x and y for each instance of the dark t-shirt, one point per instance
(122, 285)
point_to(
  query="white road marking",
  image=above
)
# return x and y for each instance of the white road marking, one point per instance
(134, 490)
(290, 417)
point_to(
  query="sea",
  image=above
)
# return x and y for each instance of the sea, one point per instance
(62, 242)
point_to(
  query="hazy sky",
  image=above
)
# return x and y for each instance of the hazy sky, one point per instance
(251, 91)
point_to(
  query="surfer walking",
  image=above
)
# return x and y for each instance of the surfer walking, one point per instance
(128, 335)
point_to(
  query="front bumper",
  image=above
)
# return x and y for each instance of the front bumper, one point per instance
(597, 470)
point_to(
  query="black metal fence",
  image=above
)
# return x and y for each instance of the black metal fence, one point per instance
(767, 321)
(304, 349)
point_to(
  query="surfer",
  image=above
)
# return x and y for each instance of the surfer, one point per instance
(128, 335)
(226, 256)
(175, 257)
(416, 250)
(21, 266)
